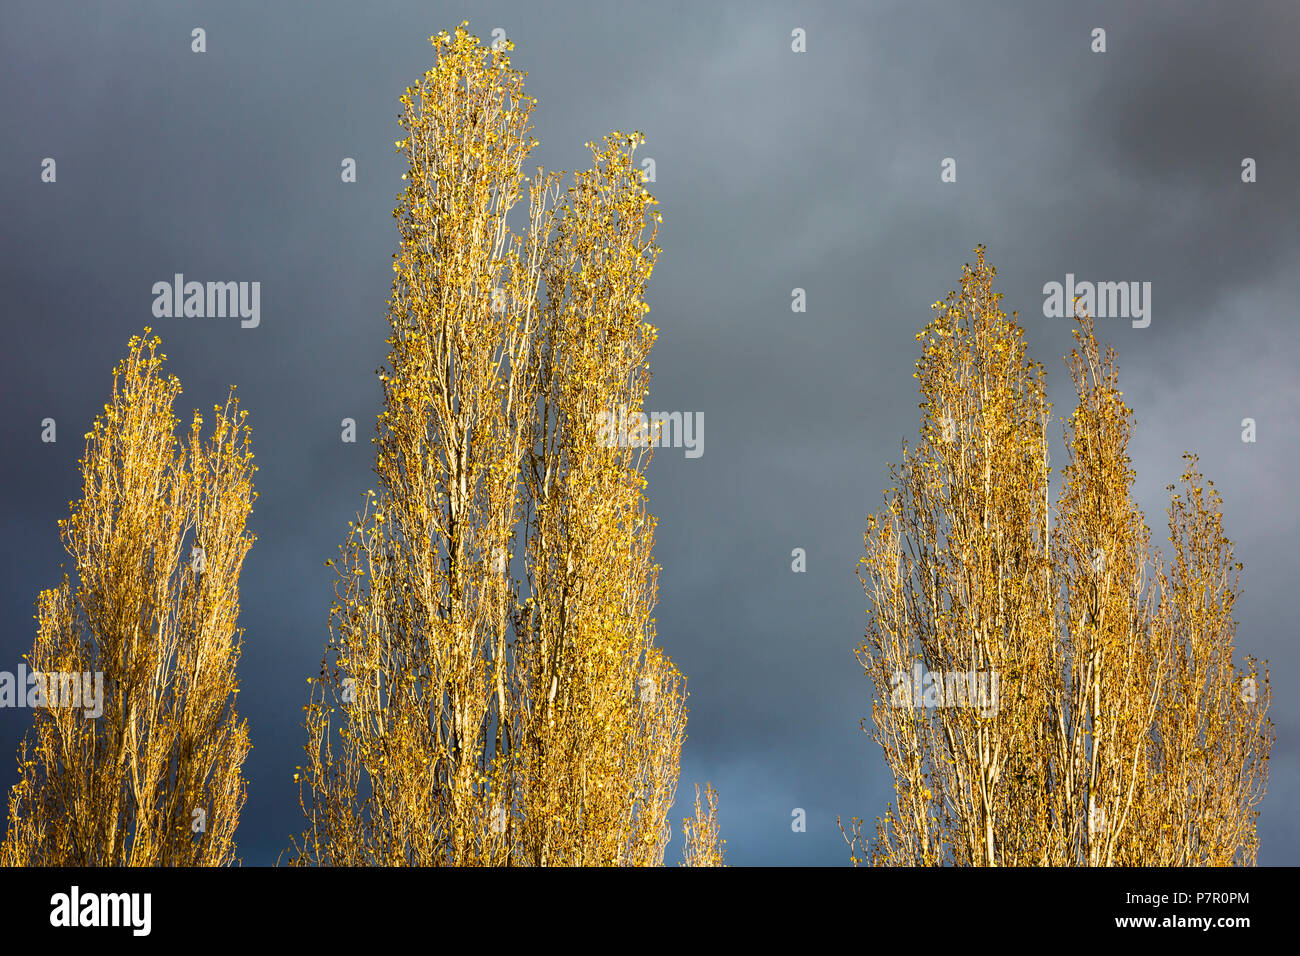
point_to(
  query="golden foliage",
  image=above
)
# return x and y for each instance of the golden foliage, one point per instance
(1119, 732)
(704, 845)
(156, 779)
(465, 715)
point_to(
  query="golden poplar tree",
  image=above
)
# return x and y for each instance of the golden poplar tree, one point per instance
(492, 693)
(149, 773)
(703, 840)
(1108, 673)
(601, 713)
(1035, 666)
(1207, 767)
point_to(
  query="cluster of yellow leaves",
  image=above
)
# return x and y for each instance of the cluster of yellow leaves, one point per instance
(493, 676)
(155, 780)
(1086, 757)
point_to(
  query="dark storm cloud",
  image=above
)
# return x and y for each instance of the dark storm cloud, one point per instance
(774, 171)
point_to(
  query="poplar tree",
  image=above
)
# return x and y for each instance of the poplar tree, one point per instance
(492, 693)
(157, 542)
(1081, 701)
(703, 840)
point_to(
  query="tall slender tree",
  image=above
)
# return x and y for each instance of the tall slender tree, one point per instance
(704, 843)
(145, 768)
(1034, 679)
(600, 708)
(492, 693)
(1207, 767)
(1109, 661)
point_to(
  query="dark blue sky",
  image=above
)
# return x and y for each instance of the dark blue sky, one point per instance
(774, 170)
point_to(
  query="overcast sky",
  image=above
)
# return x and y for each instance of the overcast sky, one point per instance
(774, 170)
